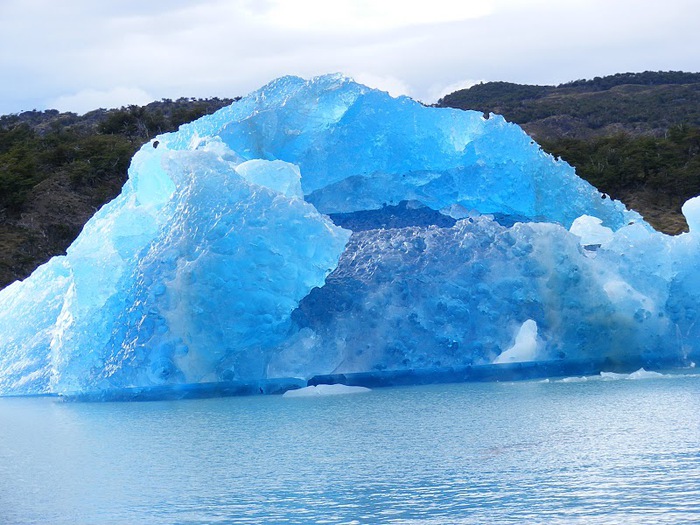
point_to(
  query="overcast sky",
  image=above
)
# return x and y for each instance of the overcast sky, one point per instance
(77, 55)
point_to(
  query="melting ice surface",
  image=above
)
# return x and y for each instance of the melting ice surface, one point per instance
(324, 228)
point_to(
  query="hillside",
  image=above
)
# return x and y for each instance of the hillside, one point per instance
(635, 136)
(57, 169)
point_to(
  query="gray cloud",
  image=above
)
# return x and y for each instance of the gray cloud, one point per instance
(78, 52)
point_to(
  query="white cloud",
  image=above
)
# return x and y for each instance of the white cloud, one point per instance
(51, 51)
(369, 15)
(437, 91)
(89, 99)
(391, 85)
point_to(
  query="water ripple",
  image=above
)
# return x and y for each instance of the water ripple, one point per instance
(593, 453)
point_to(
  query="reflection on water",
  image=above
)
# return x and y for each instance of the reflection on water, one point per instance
(589, 452)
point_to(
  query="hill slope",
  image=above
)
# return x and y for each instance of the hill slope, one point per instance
(57, 169)
(635, 136)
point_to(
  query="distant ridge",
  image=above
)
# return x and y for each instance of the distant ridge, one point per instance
(646, 78)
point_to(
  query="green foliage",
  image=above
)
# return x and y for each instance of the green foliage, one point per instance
(18, 165)
(28, 158)
(56, 169)
(644, 102)
(483, 97)
(669, 164)
(647, 78)
(142, 123)
(92, 151)
(125, 122)
(627, 134)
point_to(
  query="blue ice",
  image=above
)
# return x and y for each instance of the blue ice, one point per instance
(322, 228)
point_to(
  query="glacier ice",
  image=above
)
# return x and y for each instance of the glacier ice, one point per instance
(525, 346)
(691, 211)
(322, 228)
(591, 231)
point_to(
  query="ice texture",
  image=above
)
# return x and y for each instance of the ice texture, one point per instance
(591, 231)
(323, 228)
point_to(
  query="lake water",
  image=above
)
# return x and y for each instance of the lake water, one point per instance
(594, 452)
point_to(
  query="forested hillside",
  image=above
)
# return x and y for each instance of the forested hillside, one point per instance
(57, 169)
(635, 136)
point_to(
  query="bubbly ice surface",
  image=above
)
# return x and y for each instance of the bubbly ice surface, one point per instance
(322, 228)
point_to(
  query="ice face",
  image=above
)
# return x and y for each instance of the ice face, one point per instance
(28, 313)
(228, 257)
(473, 294)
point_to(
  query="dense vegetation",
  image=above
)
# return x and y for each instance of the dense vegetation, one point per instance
(636, 136)
(57, 169)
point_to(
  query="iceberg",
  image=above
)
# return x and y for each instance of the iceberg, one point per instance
(320, 228)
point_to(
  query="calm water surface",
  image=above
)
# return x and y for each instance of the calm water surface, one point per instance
(594, 452)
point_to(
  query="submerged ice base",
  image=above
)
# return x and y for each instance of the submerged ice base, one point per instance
(324, 229)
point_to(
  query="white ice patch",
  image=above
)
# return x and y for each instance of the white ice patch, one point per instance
(525, 346)
(614, 376)
(639, 374)
(591, 231)
(645, 374)
(581, 379)
(691, 211)
(325, 390)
